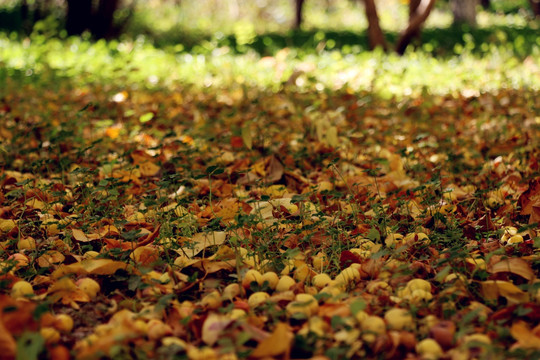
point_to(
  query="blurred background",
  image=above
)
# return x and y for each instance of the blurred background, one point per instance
(241, 23)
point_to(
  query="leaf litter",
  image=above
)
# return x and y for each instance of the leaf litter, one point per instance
(206, 225)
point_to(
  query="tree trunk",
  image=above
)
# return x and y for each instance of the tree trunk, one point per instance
(415, 24)
(413, 8)
(464, 11)
(79, 15)
(375, 34)
(103, 21)
(535, 6)
(299, 5)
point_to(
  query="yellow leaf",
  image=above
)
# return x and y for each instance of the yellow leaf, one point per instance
(90, 267)
(492, 289)
(79, 235)
(246, 136)
(277, 343)
(524, 336)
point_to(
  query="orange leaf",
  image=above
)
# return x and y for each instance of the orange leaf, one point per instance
(524, 336)
(277, 343)
(7, 343)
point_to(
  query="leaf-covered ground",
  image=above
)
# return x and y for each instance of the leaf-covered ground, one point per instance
(209, 224)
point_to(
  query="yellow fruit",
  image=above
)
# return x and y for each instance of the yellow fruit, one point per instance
(321, 280)
(347, 276)
(250, 277)
(271, 278)
(372, 326)
(285, 283)
(257, 299)
(399, 319)
(204, 353)
(361, 316)
(319, 261)
(418, 284)
(27, 243)
(429, 349)
(477, 338)
(237, 314)
(212, 300)
(89, 286)
(22, 289)
(63, 323)
(230, 292)
(50, 335)
(309, 301)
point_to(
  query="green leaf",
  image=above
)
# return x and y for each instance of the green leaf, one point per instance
(374, 235)
(146, 117)
(29, 345)
(357, 306)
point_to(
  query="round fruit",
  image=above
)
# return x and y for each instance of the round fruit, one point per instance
(257, 299)
(22, 289)
(89, 286)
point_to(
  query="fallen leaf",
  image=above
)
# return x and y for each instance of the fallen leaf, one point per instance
(525, 338)
(515, 266)
(276, 344)
(492, 289)
(213, 327)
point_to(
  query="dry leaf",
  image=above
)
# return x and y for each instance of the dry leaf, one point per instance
(515, 266)
(492, 289)
(525, 338)
(277, 343)
(213, 327)
(203, 240)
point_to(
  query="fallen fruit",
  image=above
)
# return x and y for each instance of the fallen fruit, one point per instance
(429, 349)
(22, 289)
(257, 299)
(89, 286)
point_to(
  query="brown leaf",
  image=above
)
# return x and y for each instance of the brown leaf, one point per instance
(515, 266)
(529, 201)
(277, 343)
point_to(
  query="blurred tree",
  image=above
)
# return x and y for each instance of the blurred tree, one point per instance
(535, 6)
(98, 17)
(299, 4)
(419, 11)
(464, 11)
